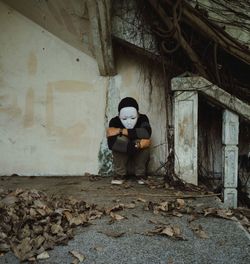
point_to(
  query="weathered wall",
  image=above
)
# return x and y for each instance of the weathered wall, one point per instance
(52, 102)
(54, 105)
(139, 79)
(210, 140)
(68, 20)
(232, 16)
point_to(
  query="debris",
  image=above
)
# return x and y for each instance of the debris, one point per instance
(127, 186)
(116, 217)
(98, 248)
(80, 257)
(171, 207)
(167, 230)
(198, 230)
(130, 205)
(31, 222)
(93, 178)
(222, 213)
(193, 217)
(4, 247)
(139, 199)
(44, 255)
(181, 203)
(170, 260)
(112, 233)
(134, 215)
(175, 213)
(115, 208)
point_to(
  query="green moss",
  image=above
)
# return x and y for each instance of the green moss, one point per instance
(105, 161)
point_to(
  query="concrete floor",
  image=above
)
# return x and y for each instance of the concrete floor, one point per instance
(92, 189)
(227, 241)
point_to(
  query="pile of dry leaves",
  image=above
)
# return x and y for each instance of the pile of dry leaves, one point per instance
(31, 222)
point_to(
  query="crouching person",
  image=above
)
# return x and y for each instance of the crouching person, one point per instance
(129, 139)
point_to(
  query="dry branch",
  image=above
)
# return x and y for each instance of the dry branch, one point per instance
(178, 36)
(214, 32)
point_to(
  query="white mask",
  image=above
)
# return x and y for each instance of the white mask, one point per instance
(128, 117)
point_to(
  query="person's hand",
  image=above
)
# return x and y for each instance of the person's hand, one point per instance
(112, 131)
(143, 143)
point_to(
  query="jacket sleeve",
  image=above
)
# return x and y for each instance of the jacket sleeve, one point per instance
(120, 143)
(143, 131)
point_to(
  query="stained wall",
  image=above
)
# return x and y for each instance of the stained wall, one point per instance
(54, 106)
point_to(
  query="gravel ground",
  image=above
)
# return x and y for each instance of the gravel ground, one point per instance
(227, 242)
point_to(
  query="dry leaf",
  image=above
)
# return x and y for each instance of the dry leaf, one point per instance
(32, 222)
(95, 214)
(41, 211)
(33, 212)
(4, 247)
(168, 231)
(3, 235)
(129, 205)
(224, 213)
(170, 261)
(38, 241)
(209, 211)
(37, 229)
(152, 221)
(55, 229)
(163, 206)
(134, 215)
(44, 255)
(68, 216)
(113, 233)
(77, 255)
(175, 213)
(39, 204)
(23, 249)
(127, 186)
(193, 217)
(9, 200)
(177, 230)
(116, 217)
(78, 220)
(115, 208)
(141, 200)
(75, 261)
(198, 230)
(97, 248)
(181, 203)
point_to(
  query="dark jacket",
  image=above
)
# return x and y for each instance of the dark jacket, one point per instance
(141, 130)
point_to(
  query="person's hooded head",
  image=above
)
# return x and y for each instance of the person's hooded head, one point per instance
(128, 112)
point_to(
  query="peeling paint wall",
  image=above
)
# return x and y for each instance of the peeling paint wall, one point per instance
(52, 102)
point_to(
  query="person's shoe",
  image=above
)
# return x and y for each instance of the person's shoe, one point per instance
(141, 181)
(118, 180)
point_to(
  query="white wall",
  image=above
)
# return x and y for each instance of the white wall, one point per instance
(51, 105)
(54, 106)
